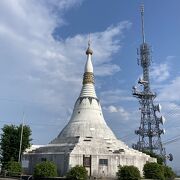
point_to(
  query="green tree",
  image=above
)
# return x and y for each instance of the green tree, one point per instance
(168, 173)
(153, 171)
(45, 169)
(10, 142)
(14, 168)
(128, 173)
(160, 159)
(77, 173)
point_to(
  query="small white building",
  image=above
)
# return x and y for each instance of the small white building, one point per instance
(86, 139)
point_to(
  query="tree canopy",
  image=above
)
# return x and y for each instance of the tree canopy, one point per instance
(128, 172)
(153, 171)
(45, 169)
(10, 142)
(77, 172)
(168, 172)
(160, 159)
(14, 168)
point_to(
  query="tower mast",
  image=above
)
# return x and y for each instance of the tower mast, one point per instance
(142, 21)
(149, 131)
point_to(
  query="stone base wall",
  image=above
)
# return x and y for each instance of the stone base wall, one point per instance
(61, 161)
(110, 169)
(100, 166)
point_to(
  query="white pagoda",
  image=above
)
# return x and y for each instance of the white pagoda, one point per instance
(86, 139)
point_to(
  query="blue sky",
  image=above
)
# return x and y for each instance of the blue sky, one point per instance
(42, 55)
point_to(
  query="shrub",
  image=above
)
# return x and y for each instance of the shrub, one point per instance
(168, 172)
(45, 169)
(14, 168)
(153, 171)
(128, 173)
(160, 159)
(77, 173)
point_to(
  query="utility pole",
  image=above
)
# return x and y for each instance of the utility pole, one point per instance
(21, 138)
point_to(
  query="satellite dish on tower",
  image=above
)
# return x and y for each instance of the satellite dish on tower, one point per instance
(142, 81)
(163, 131)
(157, 108)
(161, 120)
(170, 157)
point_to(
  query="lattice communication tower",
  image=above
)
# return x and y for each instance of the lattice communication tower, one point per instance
(149, 131)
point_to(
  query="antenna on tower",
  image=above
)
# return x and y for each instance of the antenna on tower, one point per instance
(142, 21)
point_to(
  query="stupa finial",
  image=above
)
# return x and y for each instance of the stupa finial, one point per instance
(89, 50)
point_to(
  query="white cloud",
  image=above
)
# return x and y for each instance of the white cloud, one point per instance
(41, 72)
(106, 69)
(170, 92)
(115, 96)
(170, 57)
(62, 4)
(121, 112)
(112, 109)
(160, 72)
